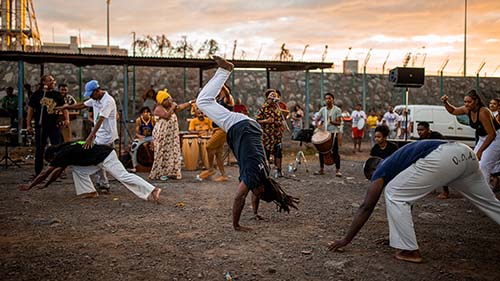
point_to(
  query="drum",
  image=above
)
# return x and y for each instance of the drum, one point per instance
(203, 150)
(142, 155)
(190, 152)
(323, 142)
(361, 123)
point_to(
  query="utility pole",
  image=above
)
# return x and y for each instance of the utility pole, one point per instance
(107, 25)
(465, 41)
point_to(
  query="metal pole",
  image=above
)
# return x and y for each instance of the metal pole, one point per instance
(441, 83)
(125, 101)
(322, 86)
(477, 82)
(465, 41)
(232, 80)
(200, 76)
(364, 88)
(307, 99)
(185, 91)
(134, 102)
(107, 24)
(20, 99)
(268, 78)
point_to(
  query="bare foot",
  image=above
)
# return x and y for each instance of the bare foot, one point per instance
(222, 63)
(409, 256)
(155, 195)
(90, 195)
(443, 195)
(242, 228)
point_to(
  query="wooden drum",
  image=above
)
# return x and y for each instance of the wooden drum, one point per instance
(190, 151)
(323, 142)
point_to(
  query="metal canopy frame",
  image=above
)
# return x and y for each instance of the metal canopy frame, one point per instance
(80, 60)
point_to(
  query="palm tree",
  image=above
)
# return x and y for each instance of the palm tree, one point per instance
(184, 48)
(162, 43)
(285, 54)
(142, 45)
(209, 48)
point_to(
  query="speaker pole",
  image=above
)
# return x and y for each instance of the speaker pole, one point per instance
(406, 110)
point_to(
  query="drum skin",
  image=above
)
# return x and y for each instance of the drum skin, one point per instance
(361, 124)
(190, 152)
(323, 142)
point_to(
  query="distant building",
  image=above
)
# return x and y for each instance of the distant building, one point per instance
(72, 48)
(350, 66)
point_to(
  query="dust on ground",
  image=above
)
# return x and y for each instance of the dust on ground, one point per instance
(51, 234)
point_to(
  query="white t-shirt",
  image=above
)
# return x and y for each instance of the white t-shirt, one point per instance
(105, 107)
(404, 122)
(356, 116)
(391, 120)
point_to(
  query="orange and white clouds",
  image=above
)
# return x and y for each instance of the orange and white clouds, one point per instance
(430, 29)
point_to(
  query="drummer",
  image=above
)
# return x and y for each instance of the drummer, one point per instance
(358, 126)
(331, 115)
(144, 125)
(200, 125)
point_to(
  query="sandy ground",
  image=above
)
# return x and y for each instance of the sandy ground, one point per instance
(53, 235)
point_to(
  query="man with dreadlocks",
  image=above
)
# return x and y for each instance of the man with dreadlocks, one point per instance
(244, 137)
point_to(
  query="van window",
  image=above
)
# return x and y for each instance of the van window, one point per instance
(463, 119)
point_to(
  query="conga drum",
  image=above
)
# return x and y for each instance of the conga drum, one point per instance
(203, 150)
(323, 142)
(190, 151)
(142, 155)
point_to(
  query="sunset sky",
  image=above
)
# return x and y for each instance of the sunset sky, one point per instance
(394, 27)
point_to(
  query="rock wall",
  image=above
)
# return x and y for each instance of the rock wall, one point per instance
(249, 85)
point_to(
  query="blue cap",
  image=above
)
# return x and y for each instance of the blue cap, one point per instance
(90, 87)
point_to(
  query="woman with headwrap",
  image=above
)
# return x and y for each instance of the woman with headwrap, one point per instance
(167, 151)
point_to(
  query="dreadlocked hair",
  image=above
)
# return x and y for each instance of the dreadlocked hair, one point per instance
(273, 192)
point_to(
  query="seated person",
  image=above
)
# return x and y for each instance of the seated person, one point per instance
(200, 124)
(382, 147)
(144, 124)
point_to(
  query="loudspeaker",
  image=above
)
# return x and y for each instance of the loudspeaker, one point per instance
(407, 77)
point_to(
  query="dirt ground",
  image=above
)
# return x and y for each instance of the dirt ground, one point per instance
(53, 235)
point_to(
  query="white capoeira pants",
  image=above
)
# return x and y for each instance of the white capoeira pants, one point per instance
(216, 112)
(451, 164)
(490, 160)
(136, 184)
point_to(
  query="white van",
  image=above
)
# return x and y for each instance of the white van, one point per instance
(452, 127)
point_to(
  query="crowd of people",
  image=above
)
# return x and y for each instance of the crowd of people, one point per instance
(404, 174)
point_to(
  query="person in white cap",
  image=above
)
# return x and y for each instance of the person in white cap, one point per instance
(105, 129)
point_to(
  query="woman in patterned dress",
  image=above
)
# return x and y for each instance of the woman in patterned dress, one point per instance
(167, 151)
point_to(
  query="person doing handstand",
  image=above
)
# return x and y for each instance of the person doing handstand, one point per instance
(244, 137)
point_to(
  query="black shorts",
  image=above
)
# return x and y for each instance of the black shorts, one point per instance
(245, 140)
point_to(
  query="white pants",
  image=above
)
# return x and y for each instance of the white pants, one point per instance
(101, 179)
(451, 164)
(136, 184)
(216, 112)
(490, 160)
